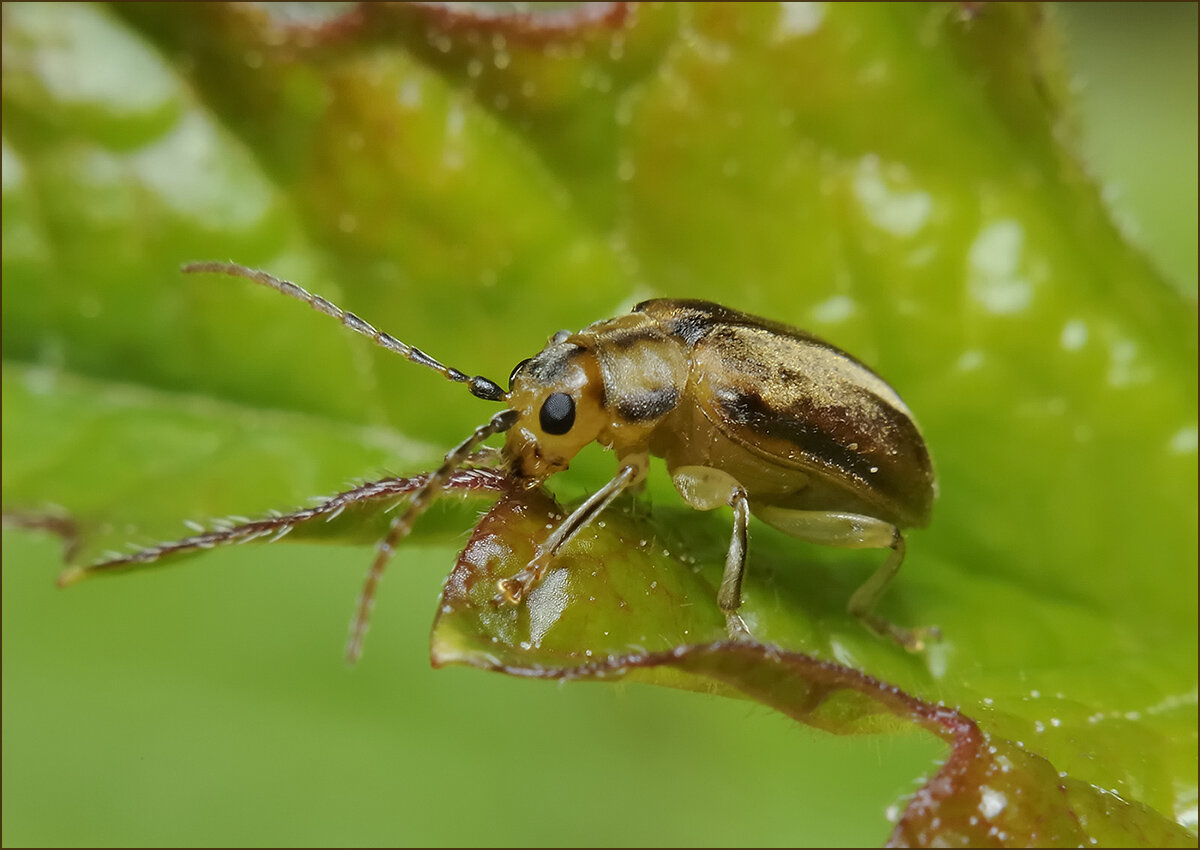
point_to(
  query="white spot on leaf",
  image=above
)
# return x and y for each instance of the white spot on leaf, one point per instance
(892, 209)
(991, 802)
(546, 603)
(799, 19)
(994, 276)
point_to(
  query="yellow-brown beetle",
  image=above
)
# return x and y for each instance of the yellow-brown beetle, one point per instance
(746, 412)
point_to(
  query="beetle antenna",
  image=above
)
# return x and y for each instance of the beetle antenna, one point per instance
(479, 386)
(403, 524)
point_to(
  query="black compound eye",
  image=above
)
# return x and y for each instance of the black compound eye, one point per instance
(557, 414)
(512, 375)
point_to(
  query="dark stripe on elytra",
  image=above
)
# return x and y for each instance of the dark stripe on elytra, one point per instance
(694, 320)
(689, 320)
(825, 433)
(816, 431)
(691, 328)
(643, 405)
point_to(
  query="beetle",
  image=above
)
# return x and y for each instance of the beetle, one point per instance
(746, 412)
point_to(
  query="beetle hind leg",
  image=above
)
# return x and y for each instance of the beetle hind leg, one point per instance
(856, 531)
(862, 602)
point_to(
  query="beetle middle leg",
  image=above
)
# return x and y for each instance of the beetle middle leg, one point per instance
(855, 531)
(706, 489)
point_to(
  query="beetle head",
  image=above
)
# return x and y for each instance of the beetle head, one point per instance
(559, 398)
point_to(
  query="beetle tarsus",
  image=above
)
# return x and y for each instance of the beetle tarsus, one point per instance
(922, 637)
(736, 626)
(914, 640)
(512, 590)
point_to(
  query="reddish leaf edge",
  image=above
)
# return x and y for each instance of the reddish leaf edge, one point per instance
(53, 520)
(379, 19)
(989, 792)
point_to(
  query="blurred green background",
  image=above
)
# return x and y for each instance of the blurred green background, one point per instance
(209, 704)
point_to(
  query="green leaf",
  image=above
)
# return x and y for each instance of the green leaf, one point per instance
(899, 180)
(114, 453)
(618, 605)
(990, 792)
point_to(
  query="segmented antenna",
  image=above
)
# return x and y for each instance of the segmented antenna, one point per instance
(479, 386)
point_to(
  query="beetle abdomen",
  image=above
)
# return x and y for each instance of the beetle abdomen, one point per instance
(799, 403)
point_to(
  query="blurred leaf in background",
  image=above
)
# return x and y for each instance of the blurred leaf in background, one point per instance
(902, 180)
(1135, 78)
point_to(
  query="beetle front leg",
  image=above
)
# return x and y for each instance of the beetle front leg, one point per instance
(855, 531)
(514, 589)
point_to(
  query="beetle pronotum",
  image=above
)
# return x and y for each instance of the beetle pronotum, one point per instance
(746, 412)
